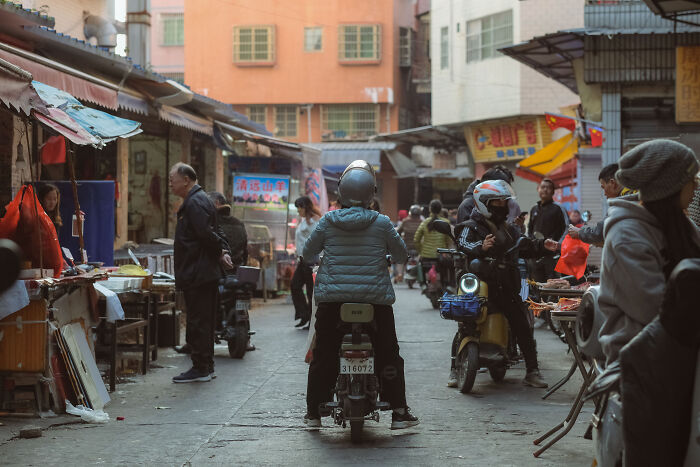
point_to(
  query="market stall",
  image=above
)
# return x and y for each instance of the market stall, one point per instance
(49, 318)
(268, 175)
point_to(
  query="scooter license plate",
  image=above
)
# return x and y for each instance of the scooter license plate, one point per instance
(243, 305)
(357, 366)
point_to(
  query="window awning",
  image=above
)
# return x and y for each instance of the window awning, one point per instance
(460, 173)
(403, 166)
(549, 158)
(335, 157)
(551, 54)
(185, 119)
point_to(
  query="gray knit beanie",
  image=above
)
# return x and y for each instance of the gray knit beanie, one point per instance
(658, 168)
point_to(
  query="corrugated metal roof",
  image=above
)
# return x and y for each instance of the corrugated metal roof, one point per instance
(670, 7)
(632, 15)
(430, 136)
(354, 146)
(35, 17)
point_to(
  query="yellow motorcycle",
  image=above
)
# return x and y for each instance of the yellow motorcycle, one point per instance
(483, 334)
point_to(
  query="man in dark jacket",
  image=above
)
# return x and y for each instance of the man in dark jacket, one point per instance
(612, 189)
(487, 235)
(200, 253)
(547, 220)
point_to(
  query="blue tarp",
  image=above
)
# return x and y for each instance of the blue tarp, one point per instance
(97, 202)
(104, 126)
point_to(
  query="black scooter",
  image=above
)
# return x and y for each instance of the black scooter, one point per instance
(235, 293)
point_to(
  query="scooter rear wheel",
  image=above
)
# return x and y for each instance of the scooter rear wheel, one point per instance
(467, 367)
(497, 373)
(410, 283)
(237, 344)
(356, 430)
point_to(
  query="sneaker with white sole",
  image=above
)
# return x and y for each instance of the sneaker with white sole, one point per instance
(312, 421)
(403, 418)
(534, 378)
(452, 379)
(192, 375)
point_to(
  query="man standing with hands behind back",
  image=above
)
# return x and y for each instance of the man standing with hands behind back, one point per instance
(200, 253)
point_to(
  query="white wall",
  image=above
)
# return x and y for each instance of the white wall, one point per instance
(69, 13)
(497, 87)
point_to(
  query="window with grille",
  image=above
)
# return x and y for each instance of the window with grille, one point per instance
(258, 114)
(349, 121)
(313, 39)
(486, 35)
(254, 44)
(359, 42)
(405, 46)
(172, 29)
(286, 120)
(444, 48)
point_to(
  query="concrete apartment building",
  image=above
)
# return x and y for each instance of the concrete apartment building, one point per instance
(500, 101)
(310, 71)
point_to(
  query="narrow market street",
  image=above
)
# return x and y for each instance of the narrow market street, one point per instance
(252, 413)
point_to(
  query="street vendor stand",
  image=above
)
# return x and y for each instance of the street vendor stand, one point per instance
(565, 316)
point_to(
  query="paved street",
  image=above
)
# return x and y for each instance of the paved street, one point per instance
(252, 413)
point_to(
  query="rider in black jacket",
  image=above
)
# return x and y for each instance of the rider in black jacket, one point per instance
(487, 235)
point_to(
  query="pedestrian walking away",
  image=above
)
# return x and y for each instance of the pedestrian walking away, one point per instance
(355, 241)
(427, 241)
(303, 274)
(200, 254)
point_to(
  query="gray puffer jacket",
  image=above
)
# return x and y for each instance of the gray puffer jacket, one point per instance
(355, 242)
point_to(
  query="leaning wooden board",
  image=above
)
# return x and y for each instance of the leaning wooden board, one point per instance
(89, 375)
(78, 389)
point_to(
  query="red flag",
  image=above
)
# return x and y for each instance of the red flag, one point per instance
(555, 121)
(54, 151)
(596, 136)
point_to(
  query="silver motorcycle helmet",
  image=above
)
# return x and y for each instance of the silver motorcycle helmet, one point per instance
(357, 185)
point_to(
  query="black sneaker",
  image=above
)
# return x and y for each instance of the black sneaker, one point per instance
(212, 373)
(403, 420)
(192, 375)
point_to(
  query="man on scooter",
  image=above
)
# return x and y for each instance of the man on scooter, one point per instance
(487, 235)
(355, 241)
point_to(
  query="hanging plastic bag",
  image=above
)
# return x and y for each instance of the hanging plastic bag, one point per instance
(20, 224)
(574, 256)
(433, 275)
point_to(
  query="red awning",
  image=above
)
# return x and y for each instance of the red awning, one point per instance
(73, 85)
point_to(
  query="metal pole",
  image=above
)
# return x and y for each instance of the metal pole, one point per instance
(36, 208)
(71, 168)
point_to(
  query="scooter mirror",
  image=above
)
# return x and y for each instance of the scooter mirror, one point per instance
(586, 216)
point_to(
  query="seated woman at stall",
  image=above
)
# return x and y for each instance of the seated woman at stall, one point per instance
(50, 199)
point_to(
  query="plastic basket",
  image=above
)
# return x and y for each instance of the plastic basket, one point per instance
(459, 307)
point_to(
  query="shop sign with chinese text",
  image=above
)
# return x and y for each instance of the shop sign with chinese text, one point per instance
(687, 84)
(507, 140)
(261, 191)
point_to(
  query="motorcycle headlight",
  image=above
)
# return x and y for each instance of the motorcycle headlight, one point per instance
(469, 284)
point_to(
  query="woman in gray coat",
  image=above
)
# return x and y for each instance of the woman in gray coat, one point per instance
(645, 239)
(355, 242)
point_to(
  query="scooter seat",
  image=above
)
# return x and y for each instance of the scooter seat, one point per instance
(231, 282)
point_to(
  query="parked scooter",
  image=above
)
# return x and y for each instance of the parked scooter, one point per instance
(357, 387)
(484, 333)
(235, 292)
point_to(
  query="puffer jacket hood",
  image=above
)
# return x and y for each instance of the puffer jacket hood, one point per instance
(352, 219)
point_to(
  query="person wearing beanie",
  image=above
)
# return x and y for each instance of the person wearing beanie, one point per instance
(645, 239)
